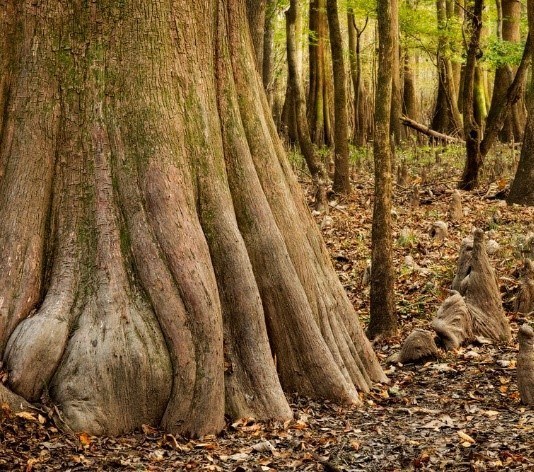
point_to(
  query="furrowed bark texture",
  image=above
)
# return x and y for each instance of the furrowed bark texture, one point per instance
(472, 129)
(341, 124)
(522, 190)
(156, 254)
(383, 320)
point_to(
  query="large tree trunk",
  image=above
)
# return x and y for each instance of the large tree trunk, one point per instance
(156, 254)
(383, 319)
(341, 124)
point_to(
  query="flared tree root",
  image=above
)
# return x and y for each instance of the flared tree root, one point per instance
(158, 262)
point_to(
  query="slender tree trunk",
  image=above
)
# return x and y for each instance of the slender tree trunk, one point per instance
(383, 321)
(319, 83)
(313, 161)
(447, 118)
(472, 130)
(341, 124)
(480, 97)
(409, 103)
(156, 253)
(509, 23)
(502, 106)
(359, 133)
(396, 128)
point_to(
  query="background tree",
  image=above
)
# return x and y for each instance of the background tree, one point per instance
(522, 188)
(383, 319)
(355, 32)
(478, 140)
(156, 254)
(396, 128)
(447, 118)
(315, 166)
(508, 35)
(320, 80)
(341, 124)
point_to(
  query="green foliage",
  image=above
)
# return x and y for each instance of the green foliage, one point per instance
(501, 53)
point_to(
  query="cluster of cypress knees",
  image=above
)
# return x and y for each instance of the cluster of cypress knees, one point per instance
(473, 311)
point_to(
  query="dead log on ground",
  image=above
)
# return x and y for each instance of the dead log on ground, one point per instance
(427, 131)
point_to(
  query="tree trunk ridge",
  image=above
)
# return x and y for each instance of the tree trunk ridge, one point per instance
(157, 255)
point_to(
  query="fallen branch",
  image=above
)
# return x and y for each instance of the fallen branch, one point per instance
(427, 131)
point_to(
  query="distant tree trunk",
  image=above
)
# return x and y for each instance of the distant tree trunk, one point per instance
(288, 118)
(158, 263)
(317, 171)
(509, 22)
(500, 108)
(383, 319)
(320, 78)
(409, 103)
(359, 132)
(455, 11)
(268, 38)
(256, 23)
(472, 130)
(480, 97)
(341, 123)
(396, 128)
(447, 118)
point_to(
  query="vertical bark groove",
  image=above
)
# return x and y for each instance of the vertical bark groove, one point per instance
(180, 257)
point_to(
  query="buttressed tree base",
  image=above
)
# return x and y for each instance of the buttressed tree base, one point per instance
(158, 264)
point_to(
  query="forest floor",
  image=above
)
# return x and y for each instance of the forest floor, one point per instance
(459, 412)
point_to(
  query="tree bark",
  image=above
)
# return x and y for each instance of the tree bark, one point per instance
(268, 38)
(156, 254)
(312, 159)
(319, 90)
(509, 23)
(359, 133)
(256, 22)
(522, 190)
(472, 130)
(409, 103)
(427, 131)
(447, 118)
(341, 124)
(383, 319)
(396, 129)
